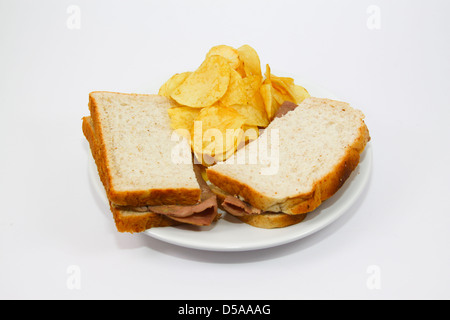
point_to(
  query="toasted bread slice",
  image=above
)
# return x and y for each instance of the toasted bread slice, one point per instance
(134, 151)
(319, 145)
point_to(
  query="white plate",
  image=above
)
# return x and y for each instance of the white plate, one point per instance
(229, 234)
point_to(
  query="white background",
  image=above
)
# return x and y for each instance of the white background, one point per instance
(51, 218)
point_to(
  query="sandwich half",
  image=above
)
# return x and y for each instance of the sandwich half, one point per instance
(133, 147)
(301, 159)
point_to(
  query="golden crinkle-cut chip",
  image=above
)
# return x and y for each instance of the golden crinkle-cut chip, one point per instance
(206, 85)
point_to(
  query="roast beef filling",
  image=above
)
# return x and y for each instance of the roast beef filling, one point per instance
(200, 214)
(238, 207)
(285, 108)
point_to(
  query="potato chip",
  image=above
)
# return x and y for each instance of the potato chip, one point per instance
(225, 103)
(253, 116)
(240, 69)
(182, 117)
(271, 104)
(279, 85)
(286, 80)
(281, 95)
(236, 141)
(250, 60)
(206, 85)
(283, 86)
(299, 93)
(252, 86)
(286, 89)
(236, 93)
(269, 95)
(224, 156)
(228, 53)
(292, 92)
(174, 82)
(215, 130)
(249, 133)
(204, 175)
(268, 74)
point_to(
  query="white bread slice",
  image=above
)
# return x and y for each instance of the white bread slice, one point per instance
(319, 146)
(125, 220)
(134, 151)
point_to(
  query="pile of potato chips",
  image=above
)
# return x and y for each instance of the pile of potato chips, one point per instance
(222, 104)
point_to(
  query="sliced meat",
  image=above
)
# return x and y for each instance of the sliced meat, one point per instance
(183, 211)
(200, 214)
(206, 190)
(238, 207)
(285, 108)
(203, 218)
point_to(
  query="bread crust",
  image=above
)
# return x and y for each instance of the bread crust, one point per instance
(264, 220)
(180, 196)
(134, 222)
(302, 203)
(272, 220)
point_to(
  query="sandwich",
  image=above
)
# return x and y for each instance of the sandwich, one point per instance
(318, 145)
(133, 146)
